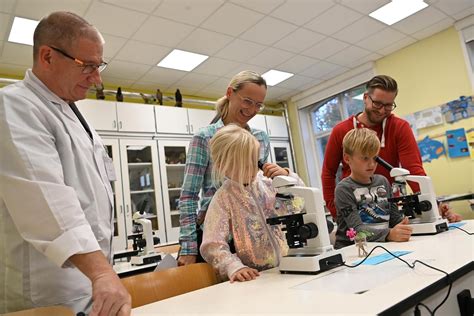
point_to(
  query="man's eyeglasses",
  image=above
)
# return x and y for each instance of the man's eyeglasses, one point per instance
(86, 68)
(378, 105)
(247, 102)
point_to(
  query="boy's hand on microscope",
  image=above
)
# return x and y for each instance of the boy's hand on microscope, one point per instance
(400, 232)
(244, 274)
(271, 170)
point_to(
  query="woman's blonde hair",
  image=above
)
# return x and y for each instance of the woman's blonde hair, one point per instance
(237, 83)
(362, 140)
(234, 151)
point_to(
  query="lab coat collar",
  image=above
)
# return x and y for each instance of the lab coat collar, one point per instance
(33, 82)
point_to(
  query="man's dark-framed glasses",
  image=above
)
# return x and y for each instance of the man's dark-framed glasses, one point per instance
(378, 105)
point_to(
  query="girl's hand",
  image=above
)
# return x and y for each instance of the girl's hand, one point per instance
(244, 274)
(271, 170)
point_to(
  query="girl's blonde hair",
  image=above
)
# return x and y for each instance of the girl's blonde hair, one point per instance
(234, 151)
(237, 83)
(362, 140)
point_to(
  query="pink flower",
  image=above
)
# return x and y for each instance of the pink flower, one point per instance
(351, 233)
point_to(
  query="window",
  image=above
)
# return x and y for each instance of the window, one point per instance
(326, 114)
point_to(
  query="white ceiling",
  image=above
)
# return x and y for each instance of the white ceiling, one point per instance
(314, 39)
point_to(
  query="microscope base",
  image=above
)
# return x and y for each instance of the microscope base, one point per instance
(311, 264)
(432, 228)
(145, 259)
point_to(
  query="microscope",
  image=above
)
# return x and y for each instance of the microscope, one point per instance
(420, 208)
(148, 254)
(306, 233)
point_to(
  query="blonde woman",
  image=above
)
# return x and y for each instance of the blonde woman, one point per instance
(243, 100)
(239, 209)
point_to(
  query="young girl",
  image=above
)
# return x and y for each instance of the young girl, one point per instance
(239, 209)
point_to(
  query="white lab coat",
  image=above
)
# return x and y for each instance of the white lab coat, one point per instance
(55, 199)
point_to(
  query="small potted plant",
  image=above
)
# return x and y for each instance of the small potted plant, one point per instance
(360, 239)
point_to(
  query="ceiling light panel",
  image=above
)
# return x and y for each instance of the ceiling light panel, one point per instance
(22, 31)
(182, 60)
(274, 77)
(397, 10)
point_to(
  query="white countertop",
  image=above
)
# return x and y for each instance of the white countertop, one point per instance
(331, 292)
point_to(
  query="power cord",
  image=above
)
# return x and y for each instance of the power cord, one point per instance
(412, 266)
(463, 230)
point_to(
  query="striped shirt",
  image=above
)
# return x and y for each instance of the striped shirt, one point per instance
(197, 179)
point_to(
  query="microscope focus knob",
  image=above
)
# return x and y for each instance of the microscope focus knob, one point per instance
(308, 231)
(425, 206)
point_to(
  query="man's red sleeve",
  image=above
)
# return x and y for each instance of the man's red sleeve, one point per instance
(332, 159)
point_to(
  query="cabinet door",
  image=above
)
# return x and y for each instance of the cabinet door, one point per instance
(171, 120)
(134, 117)
(173, 160)
(276, 126)
(258, 122)
(281, 154)
(199, 118)
(99, 114)
(120, 233)
(141, 185)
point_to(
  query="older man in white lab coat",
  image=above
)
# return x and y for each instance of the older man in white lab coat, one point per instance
(56, 200)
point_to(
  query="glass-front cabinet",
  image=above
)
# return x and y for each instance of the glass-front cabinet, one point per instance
(120, 233)
(281, 154)
(172, 163)
(141, 185)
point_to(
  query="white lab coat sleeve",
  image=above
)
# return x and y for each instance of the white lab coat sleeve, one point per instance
(45, 211)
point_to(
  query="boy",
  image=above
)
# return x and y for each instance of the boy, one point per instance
(362, 198)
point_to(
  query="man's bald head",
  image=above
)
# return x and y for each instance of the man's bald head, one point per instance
(60, 29)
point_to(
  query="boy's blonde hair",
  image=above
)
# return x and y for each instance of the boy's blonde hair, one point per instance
(361, 140)
(234, 148)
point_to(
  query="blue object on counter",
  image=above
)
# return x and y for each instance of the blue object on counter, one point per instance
(458, 224)
(372, 261)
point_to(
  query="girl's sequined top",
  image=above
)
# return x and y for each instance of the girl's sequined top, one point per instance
(241, 215)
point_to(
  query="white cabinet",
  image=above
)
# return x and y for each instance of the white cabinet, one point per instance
(141, 184)
(102, 115)
(134, 117)
(276, 126)
(171, 120)
(199, 118)
(120, 233)
(172, 163)
(118, 116)
(281, 154)
(258, 122)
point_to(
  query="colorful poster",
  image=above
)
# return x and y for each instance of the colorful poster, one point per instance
(429, 117)
(470, 140)
(457, 143)
(430, 149)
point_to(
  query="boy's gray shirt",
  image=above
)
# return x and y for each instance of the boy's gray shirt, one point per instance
(365, 207)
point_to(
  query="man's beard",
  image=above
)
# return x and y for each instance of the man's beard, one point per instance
(373, 118)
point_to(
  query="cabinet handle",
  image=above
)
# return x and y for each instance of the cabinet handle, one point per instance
(270, 132)
(192, 130)
(115, 124)
(120, 125)
(121, 209)
(127, 209)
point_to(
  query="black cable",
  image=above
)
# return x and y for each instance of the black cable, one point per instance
(412, 266)
(463, 230)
